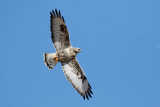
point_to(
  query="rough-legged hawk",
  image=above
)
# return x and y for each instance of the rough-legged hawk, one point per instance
(66, 55)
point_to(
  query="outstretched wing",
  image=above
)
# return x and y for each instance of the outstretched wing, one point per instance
(76, 76)
(59, 31)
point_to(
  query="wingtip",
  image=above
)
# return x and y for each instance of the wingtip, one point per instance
(56, 12)
(84, 97)
(89, 86)
(87, 96)
(59, 13)
(90, 91)
(63, 18)
(53, 13)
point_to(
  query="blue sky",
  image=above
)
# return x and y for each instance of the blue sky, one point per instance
(120, 42)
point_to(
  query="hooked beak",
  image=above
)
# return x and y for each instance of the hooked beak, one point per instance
(80, 50)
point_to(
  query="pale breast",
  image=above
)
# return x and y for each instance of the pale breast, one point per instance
(66, 54)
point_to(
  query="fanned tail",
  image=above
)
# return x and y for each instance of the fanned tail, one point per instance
(49, 60)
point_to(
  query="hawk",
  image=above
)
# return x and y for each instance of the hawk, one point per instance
(66, 55)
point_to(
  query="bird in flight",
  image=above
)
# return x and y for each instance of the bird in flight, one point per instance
(66, 55)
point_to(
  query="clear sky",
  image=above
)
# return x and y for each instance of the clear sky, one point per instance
(120, 42)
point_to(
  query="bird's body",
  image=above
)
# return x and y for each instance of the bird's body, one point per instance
(66, 55)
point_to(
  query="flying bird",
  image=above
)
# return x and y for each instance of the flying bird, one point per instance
(66, 55)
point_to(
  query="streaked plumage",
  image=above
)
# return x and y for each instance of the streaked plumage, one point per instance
(66, 54)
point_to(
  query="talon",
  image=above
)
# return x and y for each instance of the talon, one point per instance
(56, 58)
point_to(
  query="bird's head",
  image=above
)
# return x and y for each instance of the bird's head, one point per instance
(77, 50)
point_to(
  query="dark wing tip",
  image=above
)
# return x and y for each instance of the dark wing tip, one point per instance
(63, 18)
(88, 93)
(84, 97)
(87, 96)
(56, 13)
(53, 13)
(59, 13)
(89, 86)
